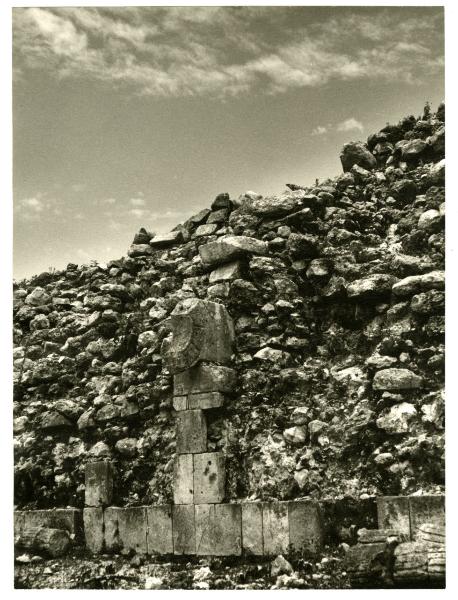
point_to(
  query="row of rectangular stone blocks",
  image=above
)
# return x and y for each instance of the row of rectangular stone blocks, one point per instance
(206, 529)
(407, 513)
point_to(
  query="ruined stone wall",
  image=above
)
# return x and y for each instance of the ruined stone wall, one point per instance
(336, 293)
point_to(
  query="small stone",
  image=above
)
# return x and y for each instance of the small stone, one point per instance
(435, 280)
(154, 583)
(397, 418)
(299, 415)
(430, 220)
(295, 435)
(396, 379)
(207, 229)
(280, 566)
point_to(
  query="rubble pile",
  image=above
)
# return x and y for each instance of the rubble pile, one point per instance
(337, 295)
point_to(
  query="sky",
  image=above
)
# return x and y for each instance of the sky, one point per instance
(139, 116)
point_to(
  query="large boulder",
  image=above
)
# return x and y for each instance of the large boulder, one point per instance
(356, 153)
(229, 247)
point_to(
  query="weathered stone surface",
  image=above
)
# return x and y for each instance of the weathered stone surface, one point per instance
(355, 153)
(218, 529)
(180, 402)
(125, 529)
(305, 526)
(227, 272)
(275, 526)
(209, 477)
(69, 519)
(393, 512)
(377, 536)
(435, 280)
(207, 229)
(426, 510)
(111, 529)
(202, 331)
(397, 419)
(191, 432)
(218, 216)
(184, 529)
(410, 563)
(373, 287)
(205, 400)
(252, 538)
(204, 378)
(432, 534)
(93, 529)
(393, 379)
(230, 247)
(183, 479)
(366, 564)
(275, 206)
(139, 250)
(160, 533)
(99, 483)
(167, 239)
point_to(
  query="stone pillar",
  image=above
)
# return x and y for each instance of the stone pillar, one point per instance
(198, 354)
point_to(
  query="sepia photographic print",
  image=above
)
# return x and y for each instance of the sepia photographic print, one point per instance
(228, 297)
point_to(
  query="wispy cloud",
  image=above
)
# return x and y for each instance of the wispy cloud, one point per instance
(350, 124)
(223, 51)
(137, 201)
(319, 130)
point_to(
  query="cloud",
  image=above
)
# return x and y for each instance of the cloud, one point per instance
(226, 51)
(108, 201)
(319, 130)
(350, 124)
(137, 201)
(137, 212)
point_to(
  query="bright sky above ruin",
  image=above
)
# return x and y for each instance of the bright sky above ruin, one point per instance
(135, 117)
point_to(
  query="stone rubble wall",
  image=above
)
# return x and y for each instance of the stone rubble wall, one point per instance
(334, 388)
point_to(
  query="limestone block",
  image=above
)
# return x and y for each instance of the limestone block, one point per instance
(180, 402)
(99, 483)
(209, 477)
(206, 400)
(191, 432)
(132, 530)
(275, 526)
(432, 534)
(393, 512)
(204, 378)
(218, 529)
(70, 519)
(159, 533)
(207, 229)
(410, 563)
(230, 247)
(426, 509)
(184, 530)
(93, 529)
(366, 565)
(305, 526)
(167, 239)
(227, 272)
(183, 479)
(201, 331)
(252, 539)
(112, 539)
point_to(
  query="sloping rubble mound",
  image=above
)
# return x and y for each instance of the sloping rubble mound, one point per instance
(337, 294)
